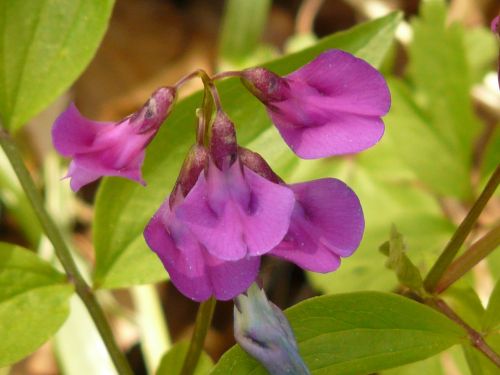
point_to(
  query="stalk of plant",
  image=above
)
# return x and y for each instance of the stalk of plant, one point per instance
(62, 251)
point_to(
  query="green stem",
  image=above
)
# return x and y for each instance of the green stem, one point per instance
(62, 251)
(461, 233)
(475, 338)
(203, 320)
(478, 251)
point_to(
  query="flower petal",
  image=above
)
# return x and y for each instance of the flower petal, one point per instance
(72, 133)
(327, 223)
(344, 133)
(236, 213)
(353, 85)
(197, 274)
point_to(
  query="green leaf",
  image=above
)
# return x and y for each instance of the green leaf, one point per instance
(415, 139)
(33, 302)
(171, 363)
(123, 208)
(244, 22)
(408, 275)
(45, 46)
(439, 51)
(491, 319)
(481, 49)
(357, 333)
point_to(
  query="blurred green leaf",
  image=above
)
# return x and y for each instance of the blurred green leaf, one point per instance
(16, 202)
(45, 46)
(123, 208)
(172, 361)
(491, 319)
(427, 366)
(438, 51)
(406, 272)
(481, 50)
(434, 115)
(242, 28)
(357, 333)
(416, 140)
(33, 302)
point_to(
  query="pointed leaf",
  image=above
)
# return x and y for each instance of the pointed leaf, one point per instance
(45, 46)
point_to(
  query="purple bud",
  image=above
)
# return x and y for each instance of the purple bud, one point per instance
(256, 163)
(196, 161)
(263, 331)
(267, 86)
(107, 148)
(223, 144)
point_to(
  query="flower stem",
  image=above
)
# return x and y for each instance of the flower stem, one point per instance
(461, 233)
(203, 320)
(478, 251)
(62, 251)
(475, 338)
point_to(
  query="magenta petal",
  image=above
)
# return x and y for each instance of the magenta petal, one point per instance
(327, 223)
(351, 83)
(197, 274)
(72, 133)
(237, 213)
(344, 134)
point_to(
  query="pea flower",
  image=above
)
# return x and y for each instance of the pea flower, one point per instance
(330, 106)
(109, 149)
(327, 223)
(219, 219)
(263, 331)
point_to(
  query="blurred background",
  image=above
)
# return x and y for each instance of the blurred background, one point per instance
(151, 43)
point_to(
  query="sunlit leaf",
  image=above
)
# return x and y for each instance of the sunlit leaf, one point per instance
(358, 333)
(45, 46)
(33, 302)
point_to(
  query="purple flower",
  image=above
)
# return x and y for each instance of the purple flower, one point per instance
(220, 217)
(327, 223)
(331, 106)
(109, 149)
(228, 208)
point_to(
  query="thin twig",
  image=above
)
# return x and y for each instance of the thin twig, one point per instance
(478, 251)
(461, 233)
(203, 321)
(475, 338)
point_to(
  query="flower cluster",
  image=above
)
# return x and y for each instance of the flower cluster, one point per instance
(228, 208)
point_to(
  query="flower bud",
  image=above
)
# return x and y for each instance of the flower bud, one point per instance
(265, 85)
(263, 331)
(110, 148)
(223, 144)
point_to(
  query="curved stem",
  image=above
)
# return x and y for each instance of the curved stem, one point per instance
(227, 74)
(478, 251)
(62, 251)
(203, 320)
(475, 338)
(461, 233)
